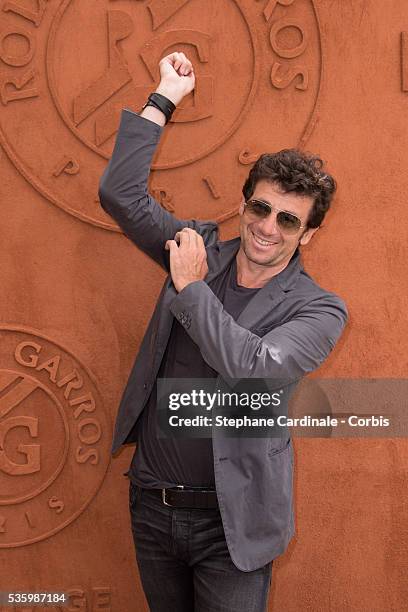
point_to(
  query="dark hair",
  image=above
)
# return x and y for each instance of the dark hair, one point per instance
(297, 171)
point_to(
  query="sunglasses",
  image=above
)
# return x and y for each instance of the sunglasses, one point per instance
(287, 222)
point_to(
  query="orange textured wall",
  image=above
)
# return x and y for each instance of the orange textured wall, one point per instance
(330, 76)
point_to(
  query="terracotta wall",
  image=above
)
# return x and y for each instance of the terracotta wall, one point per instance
(330, 76)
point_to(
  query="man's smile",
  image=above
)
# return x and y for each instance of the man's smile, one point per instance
(261, 242)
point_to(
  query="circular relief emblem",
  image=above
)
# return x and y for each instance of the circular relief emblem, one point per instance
(54, 437)
(68, 68)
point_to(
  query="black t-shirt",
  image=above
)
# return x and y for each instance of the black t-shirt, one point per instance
(166, 462)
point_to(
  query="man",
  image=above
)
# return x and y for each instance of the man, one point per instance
(210, 514)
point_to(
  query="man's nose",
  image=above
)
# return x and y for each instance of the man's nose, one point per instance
(269, 225)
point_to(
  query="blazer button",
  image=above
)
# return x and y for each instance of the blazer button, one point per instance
(144, 386)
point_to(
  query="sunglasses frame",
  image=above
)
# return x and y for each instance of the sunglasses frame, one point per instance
(277, 210)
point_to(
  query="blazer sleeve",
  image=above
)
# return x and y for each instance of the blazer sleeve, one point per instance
(123, 191)
(286, 353)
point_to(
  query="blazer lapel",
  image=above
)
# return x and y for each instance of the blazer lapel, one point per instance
(265, 300)
(219, 256)
(269, 296)
(272, 294)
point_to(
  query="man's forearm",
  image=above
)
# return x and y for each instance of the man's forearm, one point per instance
(286, 353)
(124, 181)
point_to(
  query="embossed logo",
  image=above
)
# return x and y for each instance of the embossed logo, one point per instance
(69, 67)
(54, 437)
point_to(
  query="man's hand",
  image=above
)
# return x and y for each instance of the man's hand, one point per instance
(188, 262)
(176, 77)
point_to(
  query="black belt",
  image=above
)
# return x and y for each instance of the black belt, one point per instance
(187, 497)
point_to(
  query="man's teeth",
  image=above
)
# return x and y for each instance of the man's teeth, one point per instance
(264, 242)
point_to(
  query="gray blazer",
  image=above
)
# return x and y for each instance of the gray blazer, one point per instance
(287, 330)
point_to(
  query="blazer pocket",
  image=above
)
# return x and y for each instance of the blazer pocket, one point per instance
(277, 446)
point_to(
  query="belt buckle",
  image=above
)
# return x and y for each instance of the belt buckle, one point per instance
(164, 495)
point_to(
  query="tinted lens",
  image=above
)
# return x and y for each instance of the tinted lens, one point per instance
(258, 208)
(288, 223)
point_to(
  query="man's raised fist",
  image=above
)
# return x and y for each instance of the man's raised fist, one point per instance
(177, 77)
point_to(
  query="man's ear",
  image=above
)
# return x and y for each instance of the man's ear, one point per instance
(307, 235)
(242, 206)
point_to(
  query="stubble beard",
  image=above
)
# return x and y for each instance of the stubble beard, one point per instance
(255, 259)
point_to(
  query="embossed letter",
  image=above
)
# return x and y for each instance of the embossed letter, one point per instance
(270, 7)
(164, 198)
(17, 60)
(280, 81)
(283, 51)
(31, 451)
(33, 359)
(211, 186)
(68, 165)
(34, 17)
(19, 83)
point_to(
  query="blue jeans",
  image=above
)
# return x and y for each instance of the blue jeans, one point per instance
(184, 563)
